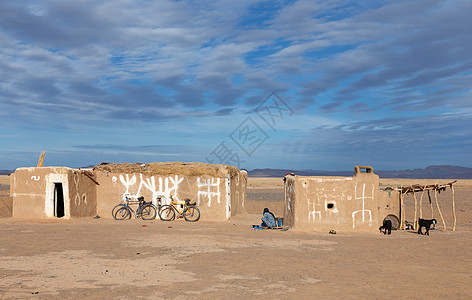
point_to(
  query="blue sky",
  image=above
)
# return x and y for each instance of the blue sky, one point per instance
(259, 84)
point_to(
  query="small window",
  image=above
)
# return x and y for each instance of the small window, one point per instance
(330, 205)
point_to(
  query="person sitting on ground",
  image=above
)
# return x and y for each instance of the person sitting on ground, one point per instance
(268, 219)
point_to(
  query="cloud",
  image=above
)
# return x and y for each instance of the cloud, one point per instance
(391, 142)
(360, 107)
(415, 52)
(331, 107)
(224, 112)
(83, 65)
(156, 149)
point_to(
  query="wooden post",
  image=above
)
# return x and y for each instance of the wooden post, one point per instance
(91, 178)
(41, 159)
(421, 205)
(440, 214)
(402, 211)
(453, 210)
(415, 226)
(431, 204)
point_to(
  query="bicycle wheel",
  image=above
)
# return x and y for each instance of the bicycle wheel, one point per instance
(120, 212)
(148, 212)
(192, 214)
(167, 213)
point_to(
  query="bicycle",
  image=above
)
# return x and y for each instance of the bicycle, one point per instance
(189, 211)
(145, 210)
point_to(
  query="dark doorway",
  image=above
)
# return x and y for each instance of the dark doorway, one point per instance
(58, 200)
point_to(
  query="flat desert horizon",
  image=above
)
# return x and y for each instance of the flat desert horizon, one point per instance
(107, 259)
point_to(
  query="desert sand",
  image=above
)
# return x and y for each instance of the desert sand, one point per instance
(107, 259)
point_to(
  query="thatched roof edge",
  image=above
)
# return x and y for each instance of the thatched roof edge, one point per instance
(169, 168)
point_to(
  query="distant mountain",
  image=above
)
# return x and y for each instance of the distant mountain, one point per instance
(283, 172)
(431, 172)
(87, 167)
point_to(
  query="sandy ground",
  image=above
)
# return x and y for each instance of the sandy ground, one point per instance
(6, 203)
(4, 179)
(4, 182)
(106, 259)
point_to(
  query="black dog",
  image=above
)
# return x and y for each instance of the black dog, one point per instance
(386, 227)
(426, 224)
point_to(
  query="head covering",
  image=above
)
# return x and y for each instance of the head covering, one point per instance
(265, 210)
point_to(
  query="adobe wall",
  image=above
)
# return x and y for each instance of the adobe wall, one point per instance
(218, 198)
(389, 204)
(344, 204)
(83, 194)
(238, 193)
(12, 186)
(90, 192)
(32, 190)
(290, 198)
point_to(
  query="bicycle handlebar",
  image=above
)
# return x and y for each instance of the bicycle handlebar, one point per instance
(186, 202)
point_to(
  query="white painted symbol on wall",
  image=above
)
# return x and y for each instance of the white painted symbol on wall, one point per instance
(208, 188)
(363, 210)
(313, 212)
(35, 178)
(114, 179)
(167, 187)
(78, 199)
(228, 196)
(127, 182)
(326, 196)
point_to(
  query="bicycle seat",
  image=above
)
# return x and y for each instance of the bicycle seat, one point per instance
(141, 199)
(187, 202)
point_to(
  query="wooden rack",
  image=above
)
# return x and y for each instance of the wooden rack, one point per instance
(415, 188)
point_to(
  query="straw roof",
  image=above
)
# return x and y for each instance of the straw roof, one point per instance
(169, 168)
